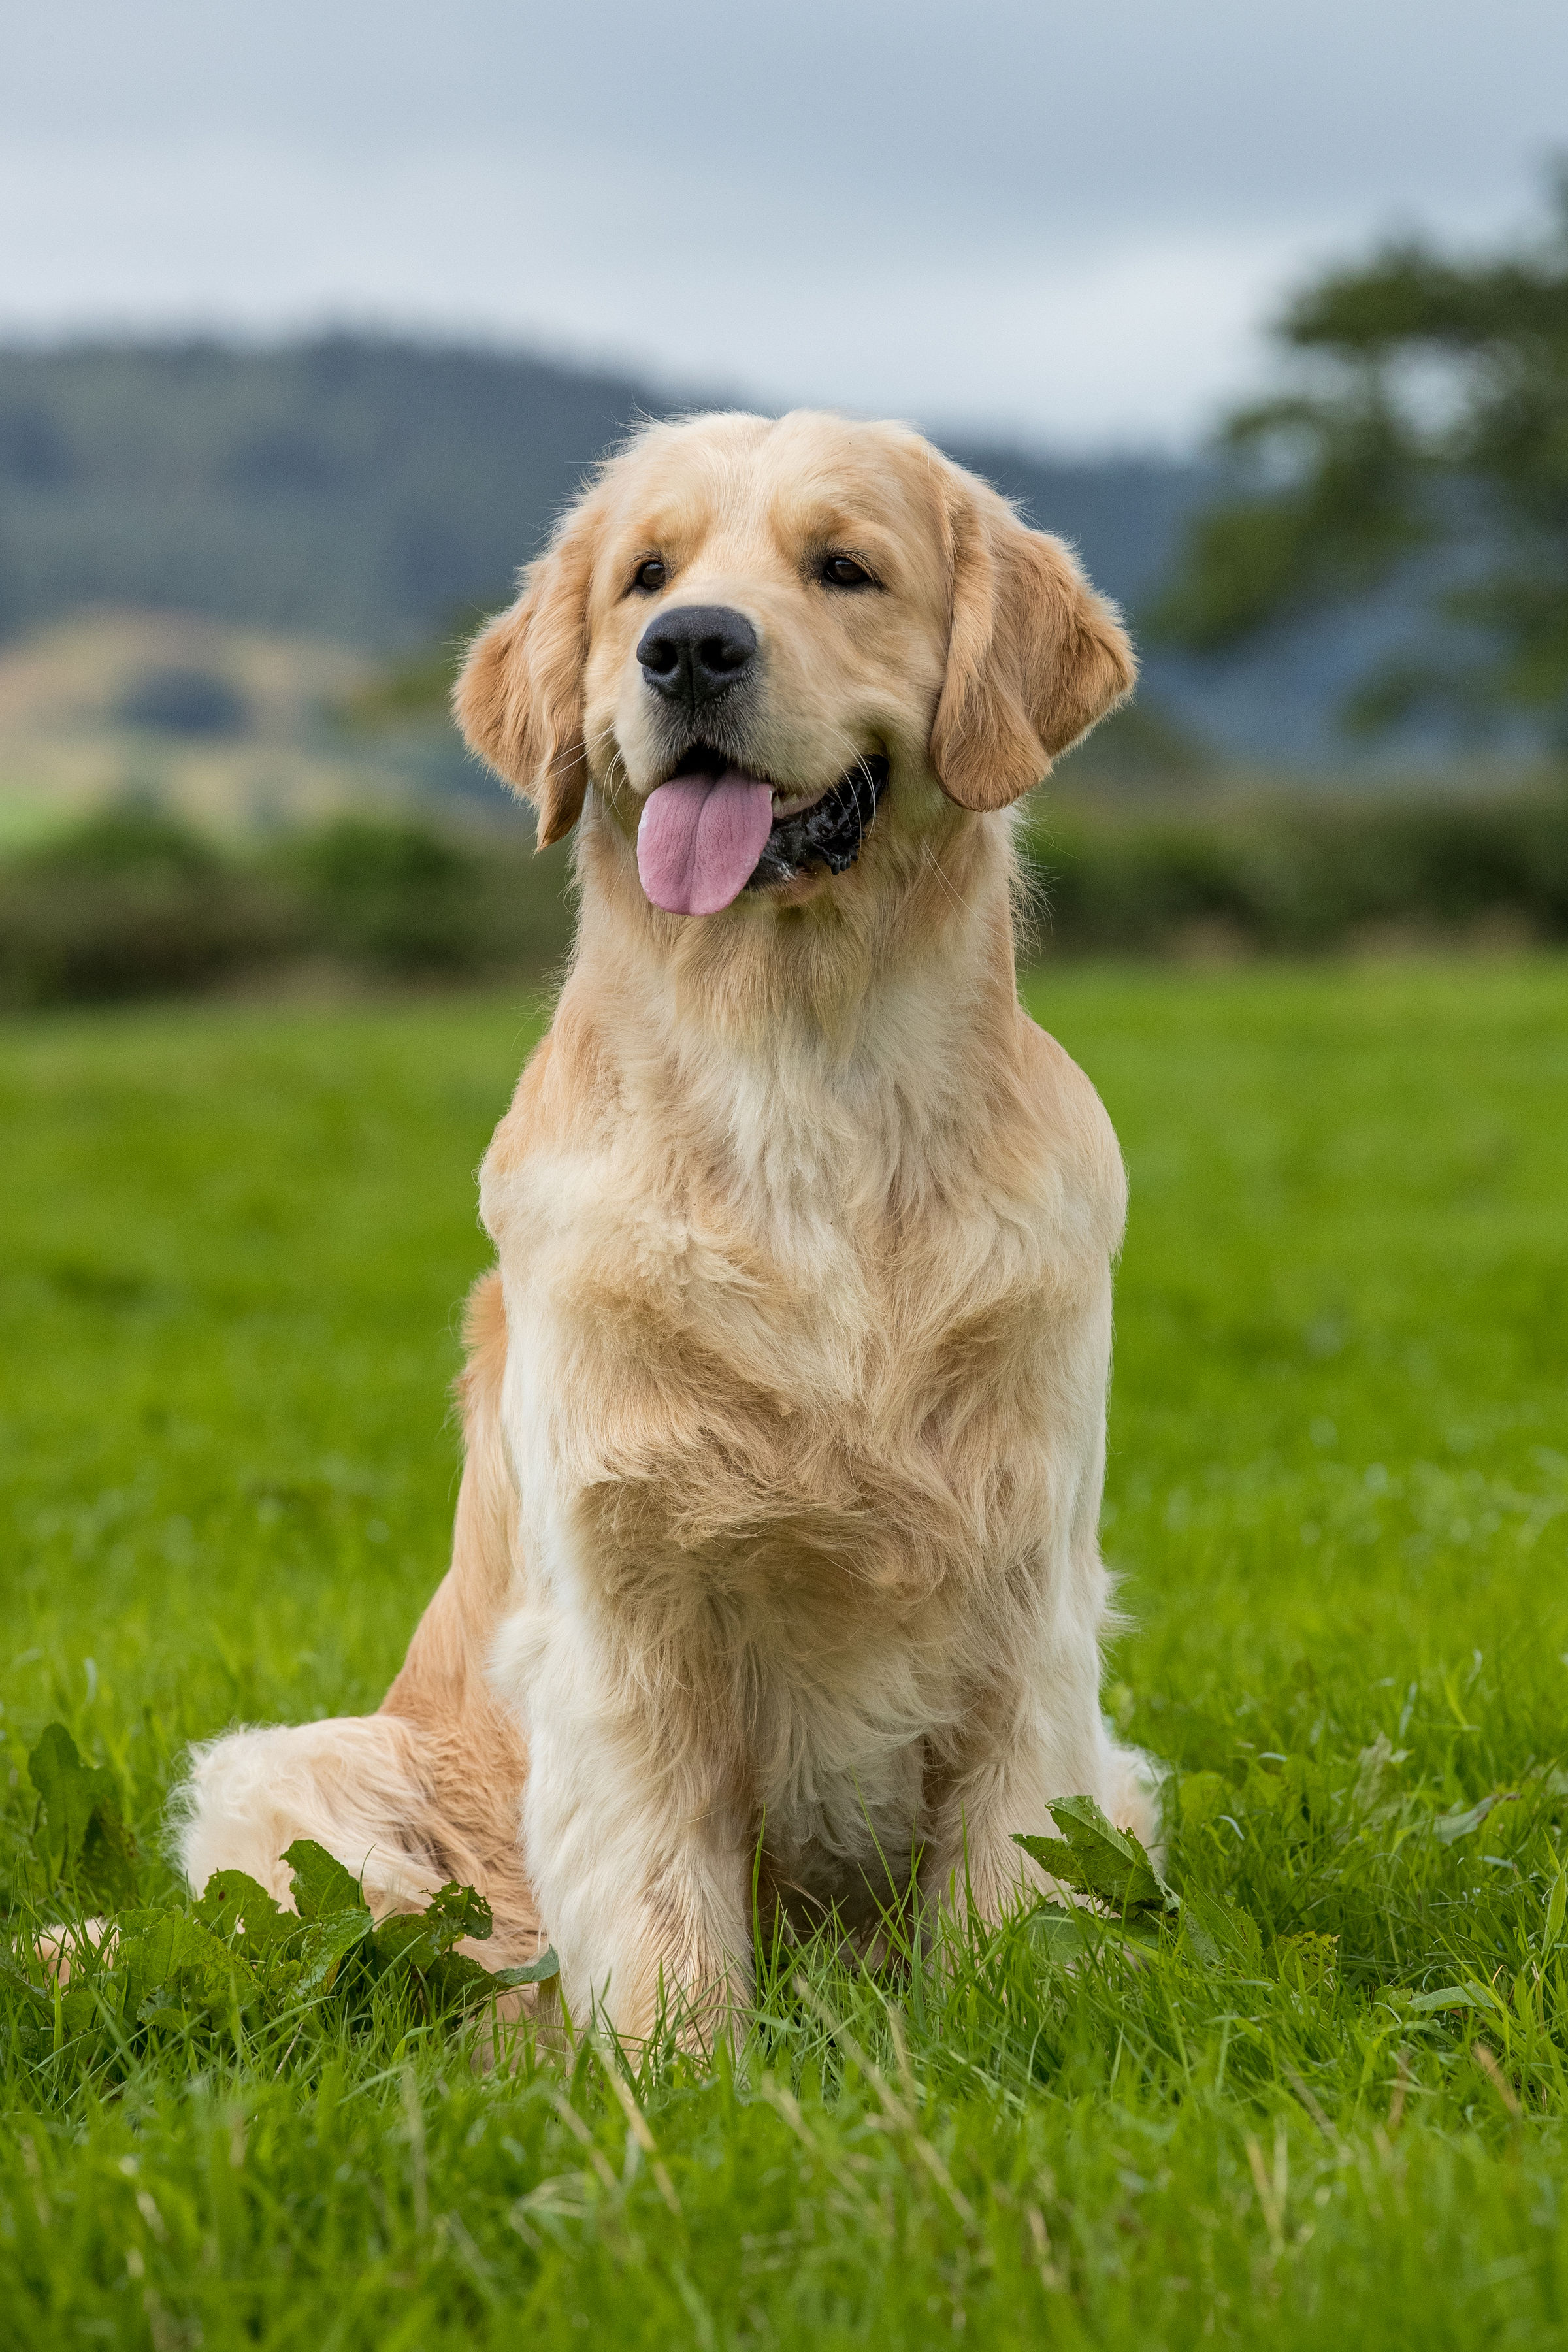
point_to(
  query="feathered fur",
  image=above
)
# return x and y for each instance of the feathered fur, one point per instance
(786, 1404)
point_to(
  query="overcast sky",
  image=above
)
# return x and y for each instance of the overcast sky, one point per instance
(1067, 221)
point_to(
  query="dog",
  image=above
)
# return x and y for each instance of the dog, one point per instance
(775, 1575)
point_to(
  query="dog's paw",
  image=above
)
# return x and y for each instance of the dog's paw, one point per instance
(58, 1947)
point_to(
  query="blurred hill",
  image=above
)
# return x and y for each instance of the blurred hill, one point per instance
(363, 489)
(352, 488)
(237, 728)
(357, 491)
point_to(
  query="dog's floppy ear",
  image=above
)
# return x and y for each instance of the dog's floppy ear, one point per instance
(1033, 656)
(519, 697)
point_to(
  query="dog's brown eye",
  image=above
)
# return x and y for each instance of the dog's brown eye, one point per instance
(651, 574)
(843, 572)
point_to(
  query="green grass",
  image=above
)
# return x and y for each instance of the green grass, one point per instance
(231, 1244)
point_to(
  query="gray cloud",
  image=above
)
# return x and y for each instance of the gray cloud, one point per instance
(1060, 220)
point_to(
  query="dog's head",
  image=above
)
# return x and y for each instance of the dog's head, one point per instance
(768, 646)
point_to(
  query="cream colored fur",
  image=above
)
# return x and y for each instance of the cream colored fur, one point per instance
(785, 1411)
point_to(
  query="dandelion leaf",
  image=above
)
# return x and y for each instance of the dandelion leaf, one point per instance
(233, 1906)
(1451, 1827)
(539, 1971)
(83, 1834)
(1097, 1859)
(326, 1946)
(323, 1887)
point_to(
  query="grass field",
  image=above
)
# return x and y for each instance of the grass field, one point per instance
(231, 1244)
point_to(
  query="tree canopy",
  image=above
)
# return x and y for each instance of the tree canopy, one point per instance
(1423, 446)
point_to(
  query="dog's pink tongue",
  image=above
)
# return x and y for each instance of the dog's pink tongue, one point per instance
(699, 840)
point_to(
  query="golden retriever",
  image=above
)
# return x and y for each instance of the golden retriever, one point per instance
(776, 1546)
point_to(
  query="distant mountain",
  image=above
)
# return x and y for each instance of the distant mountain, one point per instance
(355, 488)
(365, 490)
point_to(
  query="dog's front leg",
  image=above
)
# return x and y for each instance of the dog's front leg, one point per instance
(634, 1838)
(1017, 1749)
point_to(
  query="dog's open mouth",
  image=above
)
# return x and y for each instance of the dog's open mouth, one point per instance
(711, 831)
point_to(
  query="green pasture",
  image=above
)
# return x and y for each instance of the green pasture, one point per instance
(233, 1242)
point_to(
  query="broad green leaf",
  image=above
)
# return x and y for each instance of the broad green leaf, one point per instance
(457, 1912)
(232, 1905)
(405, 1941)
(419, 1939)
(323, 1887)
(1451, 1827)
(1373, 1793)
(1556, 1904)
(1101, 1861)
(1054, 1856)
(1067, 1933)
(1304, 1781)
(402, 1940)
(455, 1982)
(325, 1944)
(71, 1790)
(1199, 1942)
(1060, 1930)
(1454, 1996)
(108, 1865)
(539, 1971)
(80, 2009)
(11, 1974)
(170, 1948)
(83, 1833)
(1112, 1866)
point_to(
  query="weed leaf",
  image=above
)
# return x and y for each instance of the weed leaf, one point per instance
(457, 1912)
(1199, 1797)
(421, 1939)
(539, 1971)
(12, 1976)
(323, 1887)
(1111, 1866)
(1308, 1963)
(84, 1836)
(1453, 1996)
(172, 1954)
(1100, 1861)
(1376, 1766)
(326, 1944)
(1450, 1827)
(232, 1905)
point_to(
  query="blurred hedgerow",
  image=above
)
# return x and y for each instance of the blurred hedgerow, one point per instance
(136, 903)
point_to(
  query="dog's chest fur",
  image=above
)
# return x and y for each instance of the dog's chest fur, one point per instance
(836, 1359)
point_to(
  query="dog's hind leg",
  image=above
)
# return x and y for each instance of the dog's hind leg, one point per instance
(352, 1783)
(430, 1788)
(469, 1748)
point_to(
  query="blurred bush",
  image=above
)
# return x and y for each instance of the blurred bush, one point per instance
(133, 903)
(399, 897)
(1302, 876)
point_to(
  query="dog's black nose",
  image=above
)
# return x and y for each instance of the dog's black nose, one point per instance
(694, 653)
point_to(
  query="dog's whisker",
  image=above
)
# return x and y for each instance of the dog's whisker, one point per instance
(929, 860)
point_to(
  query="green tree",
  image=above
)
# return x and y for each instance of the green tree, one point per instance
(1424, 443)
